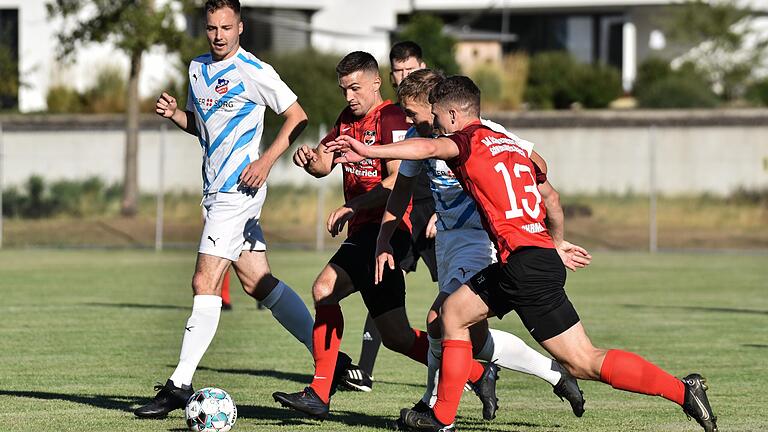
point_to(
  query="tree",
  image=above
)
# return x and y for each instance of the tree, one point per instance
(134, 27)
(439, 48)
(729, 46)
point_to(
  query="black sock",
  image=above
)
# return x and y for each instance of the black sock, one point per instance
(370, 346)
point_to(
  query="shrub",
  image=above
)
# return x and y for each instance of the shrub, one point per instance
(62, 99)
(557, 80)
(488, 78)
(106, 95)
(650, 71)
(64, 197)
(659, 86)
(597, 86)
(757, 92)
(743, 195)
(550, 81)
(514, 76)
(678, 91)
(13, 202)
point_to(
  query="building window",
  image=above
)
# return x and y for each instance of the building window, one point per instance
(267, 29)
(9, 58)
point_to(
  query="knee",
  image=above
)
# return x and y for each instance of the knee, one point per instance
(260, 285)
(202, 285)
(321, 292)
(585, 365)
(451, 315)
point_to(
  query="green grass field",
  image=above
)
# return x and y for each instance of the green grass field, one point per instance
(85, 335)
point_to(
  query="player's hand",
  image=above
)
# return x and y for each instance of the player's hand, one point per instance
(350, 150)
(384, 257)
(255, 173)
(304, 156)
(166, 105)
(431, 230)
(573, 256)
(338, 218)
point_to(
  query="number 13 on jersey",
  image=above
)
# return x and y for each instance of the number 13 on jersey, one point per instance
(515, 211)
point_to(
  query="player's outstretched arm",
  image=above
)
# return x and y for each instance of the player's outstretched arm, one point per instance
(167, 107)
(295, 120)
(315, 161)
(397, 204)
(353, 150)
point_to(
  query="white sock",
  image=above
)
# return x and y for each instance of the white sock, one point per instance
(198, 334)
(434, 356)
(291, 312)
(510, 352)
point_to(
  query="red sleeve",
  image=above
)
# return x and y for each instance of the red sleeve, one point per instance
(393, 124)
(541, 177)
(462, 138)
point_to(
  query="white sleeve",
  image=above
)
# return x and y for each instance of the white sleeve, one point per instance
(525, 145)
(190, 103)
(265, 87)
(411, 168)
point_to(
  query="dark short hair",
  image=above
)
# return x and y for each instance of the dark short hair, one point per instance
(417, 85)
(404, 50)
(459, 91)
(214, 5)
(357, 61)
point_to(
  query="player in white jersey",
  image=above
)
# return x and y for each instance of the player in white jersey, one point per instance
(463, 249)
(229, 91)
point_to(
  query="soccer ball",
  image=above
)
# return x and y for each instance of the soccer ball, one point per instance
(210, 410)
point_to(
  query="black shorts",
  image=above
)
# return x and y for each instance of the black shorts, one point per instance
(532, 284)
(422, 247)
(356, 258)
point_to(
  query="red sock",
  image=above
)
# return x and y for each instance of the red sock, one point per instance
(476, 371)
(628, 371)
(326, 339)
(454, 372)
(225, 288)
(420, 347)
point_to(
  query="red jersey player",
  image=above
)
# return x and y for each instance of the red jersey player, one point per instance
(529, 277)
(367, 183)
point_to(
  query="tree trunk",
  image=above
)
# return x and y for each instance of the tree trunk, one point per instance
(131, 175)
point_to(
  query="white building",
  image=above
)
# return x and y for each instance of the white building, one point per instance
(617, 32)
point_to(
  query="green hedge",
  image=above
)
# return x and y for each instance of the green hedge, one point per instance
(659, 86)
(36, 199)
(557, 81)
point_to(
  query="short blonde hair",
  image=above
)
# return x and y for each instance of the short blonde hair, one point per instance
(418, 84)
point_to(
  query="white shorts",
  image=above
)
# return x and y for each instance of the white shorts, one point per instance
(461, 254)
(232, 224)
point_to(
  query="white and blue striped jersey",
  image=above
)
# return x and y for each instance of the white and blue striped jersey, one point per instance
(229, 98)
(455, 209)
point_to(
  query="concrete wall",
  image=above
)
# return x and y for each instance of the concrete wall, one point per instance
(696, 151)
(77, 147)
(588, 152)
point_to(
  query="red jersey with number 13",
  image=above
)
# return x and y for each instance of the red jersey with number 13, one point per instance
(384, 124)
(501, 177)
